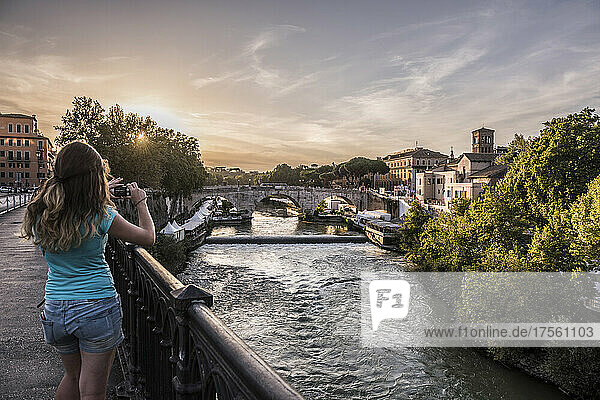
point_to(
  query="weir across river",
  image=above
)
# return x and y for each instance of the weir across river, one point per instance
(285, 239)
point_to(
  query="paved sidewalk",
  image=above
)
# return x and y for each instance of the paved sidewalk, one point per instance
(29, 369)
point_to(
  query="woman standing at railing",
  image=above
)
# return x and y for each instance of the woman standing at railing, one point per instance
(69, 219)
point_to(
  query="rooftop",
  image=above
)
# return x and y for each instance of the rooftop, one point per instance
(479, 157)
(17, 116)
(416, 152)
(483, 129)
(490, 172)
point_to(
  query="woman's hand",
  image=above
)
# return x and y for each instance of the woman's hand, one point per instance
(136, 194)
(114, 182)
(143, 234)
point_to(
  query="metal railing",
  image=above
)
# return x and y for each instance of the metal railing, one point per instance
(175, 346)
(13, 201)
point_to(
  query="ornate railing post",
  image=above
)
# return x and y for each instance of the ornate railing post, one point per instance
(133, 326)
(183, 382)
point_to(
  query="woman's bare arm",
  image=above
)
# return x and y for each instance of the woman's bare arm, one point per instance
(144, 233)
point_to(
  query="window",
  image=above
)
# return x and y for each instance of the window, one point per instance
(2, 153)
(26, 156)
(10, 155)
(1, 142)
(27, 141)
(18, 142)
(10, 128)
(18, 128)
(10, 142)
(2, 174)
(2, 165)
(41, 174)
(26, 174)
(40, 144)
(18, 156)
(11, 174)
(26, 165)
(26, 128)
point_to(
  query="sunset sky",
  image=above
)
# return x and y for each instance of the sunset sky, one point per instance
(265, 82)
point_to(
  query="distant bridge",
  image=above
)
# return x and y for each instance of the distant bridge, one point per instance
(306, 198)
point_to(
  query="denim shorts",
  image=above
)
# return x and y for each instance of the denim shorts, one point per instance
(93, 326)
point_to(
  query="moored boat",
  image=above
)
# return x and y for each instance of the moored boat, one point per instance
(383, 234)
(359, 221)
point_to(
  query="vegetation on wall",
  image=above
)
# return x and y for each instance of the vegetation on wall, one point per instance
(172, 254)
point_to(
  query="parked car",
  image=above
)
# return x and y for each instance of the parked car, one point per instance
(5, 189)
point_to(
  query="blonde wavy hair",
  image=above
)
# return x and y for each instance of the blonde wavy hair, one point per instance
(77, 195)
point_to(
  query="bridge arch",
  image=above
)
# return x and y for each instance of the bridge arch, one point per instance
(333, 196)
(281, 196)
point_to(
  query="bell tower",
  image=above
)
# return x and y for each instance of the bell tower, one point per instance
(483, 140)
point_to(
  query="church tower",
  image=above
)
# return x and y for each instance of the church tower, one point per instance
(483, 140)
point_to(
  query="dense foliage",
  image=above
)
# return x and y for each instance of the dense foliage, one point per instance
(172, 254)
(360, 170)
(354, 172)
(543, 216)
(136, 147)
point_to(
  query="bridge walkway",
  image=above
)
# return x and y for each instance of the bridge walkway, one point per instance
(29, 369)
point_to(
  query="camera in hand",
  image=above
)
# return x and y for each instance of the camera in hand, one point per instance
(120, 191)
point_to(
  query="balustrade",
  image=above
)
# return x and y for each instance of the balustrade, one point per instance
(175, 346)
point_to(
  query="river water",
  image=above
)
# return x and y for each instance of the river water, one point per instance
(298, 307)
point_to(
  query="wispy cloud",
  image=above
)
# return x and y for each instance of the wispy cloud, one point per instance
(255, 69)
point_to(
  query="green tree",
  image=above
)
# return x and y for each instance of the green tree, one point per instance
(136, 147)
(585, 220)
(411, 227)
(540, 217)
(358, 167)
(172, 254)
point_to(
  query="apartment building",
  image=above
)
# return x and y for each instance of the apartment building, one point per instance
(405, 164)
(26, 156)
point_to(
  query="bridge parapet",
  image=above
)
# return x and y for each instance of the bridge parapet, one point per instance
(305, 197)
(176, 347)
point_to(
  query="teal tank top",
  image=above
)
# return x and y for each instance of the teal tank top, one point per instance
(81, 272)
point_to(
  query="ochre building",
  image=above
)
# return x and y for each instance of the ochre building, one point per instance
(26, 156)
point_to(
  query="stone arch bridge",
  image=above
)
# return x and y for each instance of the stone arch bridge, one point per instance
(306, 198)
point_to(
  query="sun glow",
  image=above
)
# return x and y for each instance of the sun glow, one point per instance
(163, 116)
